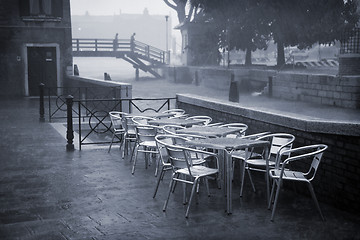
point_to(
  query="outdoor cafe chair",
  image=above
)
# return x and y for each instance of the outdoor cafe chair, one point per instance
(118, 129)
(185, 171)
(145, 143)
(130, 134)
(176, 111)
(258, 162)
(142, 120)
(166, 139)
(282, 172)
(241, 126)
(206, 119)
(171, 129)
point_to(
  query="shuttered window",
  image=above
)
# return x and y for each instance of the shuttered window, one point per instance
(41, 8)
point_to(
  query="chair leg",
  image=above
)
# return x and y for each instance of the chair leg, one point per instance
(132, 152)
(136, 154)
(272, 194)
(184, 191)
(121, 143)
(191, 196)
(169, 191)
(158, 181)
(157, 165)
(276, 199)
(207, 186)
(251, 180)
(315, 200)
(242, 174)
(112, 139)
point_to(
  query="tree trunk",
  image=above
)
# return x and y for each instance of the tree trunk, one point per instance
(248, 57)
(280, 54)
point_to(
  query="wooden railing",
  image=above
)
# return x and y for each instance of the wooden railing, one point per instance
(95, 47)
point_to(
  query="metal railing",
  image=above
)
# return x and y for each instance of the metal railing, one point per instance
(90, 116)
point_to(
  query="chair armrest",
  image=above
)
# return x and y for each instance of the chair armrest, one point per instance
(322, 147)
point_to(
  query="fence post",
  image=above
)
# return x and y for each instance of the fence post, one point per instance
(42, 109)
(233, 91)
(197, 78)
(175, 74)
(70, 130)
(136, 74)
(270, 86)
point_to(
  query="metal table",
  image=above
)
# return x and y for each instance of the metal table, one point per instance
(175, 121)
(228, 145)
(208, 131)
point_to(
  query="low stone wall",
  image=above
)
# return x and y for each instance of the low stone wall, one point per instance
(337, 181)
(339, 91)
(342, 91)
(219, 78)
(100, 89)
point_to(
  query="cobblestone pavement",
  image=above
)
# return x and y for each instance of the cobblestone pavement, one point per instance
(48, 193)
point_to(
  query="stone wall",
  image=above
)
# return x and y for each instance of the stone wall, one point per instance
(338, 178)
(99, 89)
(341, 91)
(18, 33)
(349, 65)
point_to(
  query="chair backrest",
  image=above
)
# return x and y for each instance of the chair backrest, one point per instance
(117, 120)
(177, 157)
(279, 142)
(171, 129)
(176, 111)
(164, 140)
(145, 133)
(240, 133)
(142, 120)
(314, 152)
(206, 119)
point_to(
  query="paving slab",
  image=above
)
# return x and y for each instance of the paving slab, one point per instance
(49, 193)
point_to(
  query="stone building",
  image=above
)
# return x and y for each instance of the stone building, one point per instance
(35, 45)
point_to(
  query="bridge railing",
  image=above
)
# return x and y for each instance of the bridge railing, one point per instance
(122, 45)
(87, 44)
(150, 51)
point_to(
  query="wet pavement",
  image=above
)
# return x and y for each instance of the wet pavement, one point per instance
(48, 193)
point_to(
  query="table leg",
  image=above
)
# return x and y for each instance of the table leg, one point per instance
(228, 181)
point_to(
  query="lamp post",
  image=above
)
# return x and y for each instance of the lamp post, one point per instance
(167, 37)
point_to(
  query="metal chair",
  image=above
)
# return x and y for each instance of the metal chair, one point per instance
(206, 119)
(145, 143)
(171, 129)
(185, 171)
(166, 139)
(141, 120)
(130, 134)
(282, 172)
(176, 111)
(258, 162)
(118, 129)
(241, 126)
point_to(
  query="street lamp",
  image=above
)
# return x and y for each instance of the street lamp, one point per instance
(166, 32)
(167, 37)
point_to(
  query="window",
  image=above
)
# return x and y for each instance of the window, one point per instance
(41, 9)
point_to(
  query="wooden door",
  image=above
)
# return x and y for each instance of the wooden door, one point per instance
(41, 68)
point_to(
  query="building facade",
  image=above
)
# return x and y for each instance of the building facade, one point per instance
(35, 45)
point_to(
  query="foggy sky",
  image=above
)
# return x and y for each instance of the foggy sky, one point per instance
(111, 7)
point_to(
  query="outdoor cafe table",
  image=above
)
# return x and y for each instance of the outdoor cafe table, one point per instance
(208, 131)
(175, 121)
(228, 145)
(152, 115)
